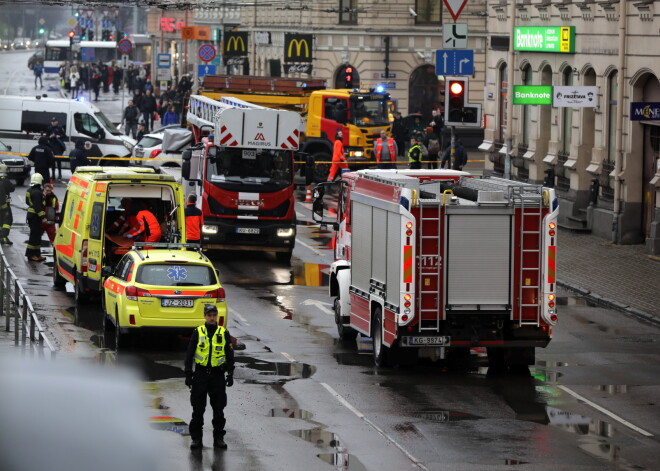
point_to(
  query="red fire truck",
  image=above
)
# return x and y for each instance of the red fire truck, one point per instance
(243, 174)
(434, 262)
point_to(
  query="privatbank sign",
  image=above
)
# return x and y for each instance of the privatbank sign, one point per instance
(544, 39)
(532, 94)
(575, 97)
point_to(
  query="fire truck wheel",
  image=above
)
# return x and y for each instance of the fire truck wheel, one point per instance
(380, 351)
(345, 332)
(320, 171)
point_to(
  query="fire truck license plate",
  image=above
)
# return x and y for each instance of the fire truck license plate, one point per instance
(441, 341)
(247, 230)
(165, 302)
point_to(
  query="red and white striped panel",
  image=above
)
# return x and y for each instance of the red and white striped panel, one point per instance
(291, 142)
(225, 138)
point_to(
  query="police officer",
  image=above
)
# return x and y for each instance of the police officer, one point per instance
(414, 155)
(43, 158)
(6, 218)
(211, 349)
(36, 216)
(56, 138)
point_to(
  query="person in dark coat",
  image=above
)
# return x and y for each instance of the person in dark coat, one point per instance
(130, 119)
(137, 98)
(105, 74)
(36, 216)
(43, 158)
(210, 349)
(96, 82)
(117, 76)
(56, 138)
(148, 108)
(78, 156)
(399, 133)
(460, 157)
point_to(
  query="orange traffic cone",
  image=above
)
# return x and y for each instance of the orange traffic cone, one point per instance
(308, 196)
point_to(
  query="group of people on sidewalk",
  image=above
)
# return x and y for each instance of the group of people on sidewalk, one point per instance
(144, 109)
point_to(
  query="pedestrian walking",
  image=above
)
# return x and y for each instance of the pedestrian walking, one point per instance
(169, 117)
(36, 216)
(339, 164)
(105, 77)
(78, 156)
(74, 80)
(432, 143)
(117, 76)
(386, 151)
(211, 350)
(38, 70)
(414, 155)
(148, 108)
(51, 207)
(459, 158)
(43, 158)
(194, 221)
(6, 217)
(138, 97)
(96, 82)
(399, 133)
(130, 119)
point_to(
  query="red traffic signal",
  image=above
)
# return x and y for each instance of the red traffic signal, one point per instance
(456, 88)
(71, 34)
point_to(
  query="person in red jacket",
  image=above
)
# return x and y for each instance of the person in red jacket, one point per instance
(194, 221)
(147, 228)
(339, 164)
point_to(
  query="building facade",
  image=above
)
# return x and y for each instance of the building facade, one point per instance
(602, 159)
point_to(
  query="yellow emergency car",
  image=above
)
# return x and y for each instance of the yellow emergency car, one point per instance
(160, 286)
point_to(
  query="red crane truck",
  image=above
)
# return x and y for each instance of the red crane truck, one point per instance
(434, 262)
(243, 174)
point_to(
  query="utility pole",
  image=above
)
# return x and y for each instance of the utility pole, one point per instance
(509, 92)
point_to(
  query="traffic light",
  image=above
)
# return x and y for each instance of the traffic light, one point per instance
(458, 112)
(90, 34)
(42, 30)
(71, 34)
(348, 76)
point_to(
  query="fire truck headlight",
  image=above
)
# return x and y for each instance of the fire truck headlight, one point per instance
(285, 232)
(358, 153)
(209, 229)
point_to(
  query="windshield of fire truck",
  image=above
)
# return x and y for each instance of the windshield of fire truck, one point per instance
(369, 111)
(239, 169)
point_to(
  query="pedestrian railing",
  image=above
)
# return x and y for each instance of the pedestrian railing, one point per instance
(15, 304)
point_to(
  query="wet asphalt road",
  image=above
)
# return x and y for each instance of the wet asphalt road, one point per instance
(303, 400)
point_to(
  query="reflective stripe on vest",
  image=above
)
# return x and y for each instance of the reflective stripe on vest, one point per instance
(203, 346)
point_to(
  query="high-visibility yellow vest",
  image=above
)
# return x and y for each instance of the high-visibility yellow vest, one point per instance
(216, 344)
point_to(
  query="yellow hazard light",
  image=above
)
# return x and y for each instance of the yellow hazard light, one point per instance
(551, 297)
(407, 297)
(409, 225)
(552, 225)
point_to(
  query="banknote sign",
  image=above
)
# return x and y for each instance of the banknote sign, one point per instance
(544, 39)
(532, 94)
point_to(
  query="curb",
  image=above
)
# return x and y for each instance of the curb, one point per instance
(611, 304)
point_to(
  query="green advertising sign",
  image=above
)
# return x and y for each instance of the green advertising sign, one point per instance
(544, 39)
(532, 94)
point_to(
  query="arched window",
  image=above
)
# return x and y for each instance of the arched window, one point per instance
(424, 91)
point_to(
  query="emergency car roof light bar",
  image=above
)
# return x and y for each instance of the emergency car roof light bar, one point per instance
(166, 245)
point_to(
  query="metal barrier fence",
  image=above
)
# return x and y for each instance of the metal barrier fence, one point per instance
(15, 304)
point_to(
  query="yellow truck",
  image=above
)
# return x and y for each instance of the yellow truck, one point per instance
(359, 114)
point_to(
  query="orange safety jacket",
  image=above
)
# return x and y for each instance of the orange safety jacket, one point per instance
(194, 222)
(390, 145)
(338, 160)
(147, 226)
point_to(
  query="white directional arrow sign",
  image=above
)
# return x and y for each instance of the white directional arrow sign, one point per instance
(455, 7)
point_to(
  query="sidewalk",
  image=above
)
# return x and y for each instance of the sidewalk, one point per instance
(622, 277)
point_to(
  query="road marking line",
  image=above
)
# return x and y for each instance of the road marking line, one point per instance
(606, 412)
(360, 415)
(288, 357)
(241, 318)
(310, 248)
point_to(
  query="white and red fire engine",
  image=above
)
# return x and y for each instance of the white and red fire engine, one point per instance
(430, 262)
(243, 174)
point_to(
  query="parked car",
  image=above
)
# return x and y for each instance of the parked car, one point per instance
(18, 167)
(164, 147)
(5, 44)
(22, 43)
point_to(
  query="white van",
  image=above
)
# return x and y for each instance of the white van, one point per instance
(23, 119)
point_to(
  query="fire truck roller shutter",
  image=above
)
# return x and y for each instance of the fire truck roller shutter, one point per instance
(378, 250)
(479, 261)
(393, 235)
(361, 250)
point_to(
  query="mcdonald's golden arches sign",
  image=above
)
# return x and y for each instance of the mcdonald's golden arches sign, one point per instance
(298, 47)
(235, 44)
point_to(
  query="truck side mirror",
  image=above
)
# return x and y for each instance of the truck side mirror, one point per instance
(185, 163)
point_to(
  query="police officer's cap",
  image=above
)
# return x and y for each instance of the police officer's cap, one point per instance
(54, 118)
(210, 308)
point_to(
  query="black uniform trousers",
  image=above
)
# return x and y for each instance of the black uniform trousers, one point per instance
(34, 241)
(6, 220)
(211, 382)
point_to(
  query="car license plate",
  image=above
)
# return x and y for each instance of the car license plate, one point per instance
(176, 302)
(15, 169)
(247, 230)
(440, 341)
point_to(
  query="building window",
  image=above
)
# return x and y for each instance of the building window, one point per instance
(428, 12)
(348, 12)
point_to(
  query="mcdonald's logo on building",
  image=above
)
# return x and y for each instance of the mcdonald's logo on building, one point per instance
(235, 45)
(298, 47)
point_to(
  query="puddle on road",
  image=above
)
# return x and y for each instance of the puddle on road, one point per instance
(339, 457)
(171, 424)
(292, 414)
(435, 415)
(277, 372)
